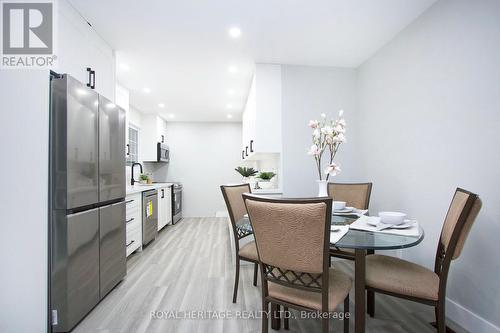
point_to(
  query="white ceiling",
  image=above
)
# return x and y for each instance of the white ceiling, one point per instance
(181, 49)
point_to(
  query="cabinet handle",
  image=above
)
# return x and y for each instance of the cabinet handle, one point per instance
(129, 201)
(246, 151)
(162, 193)
(162, 139)
(251, 146)
(89, 70)
(93, 79)
(242, 154)
(130, 243)
(128, 221)
(128, 149)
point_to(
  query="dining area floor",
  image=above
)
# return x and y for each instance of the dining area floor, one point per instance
(183, 282)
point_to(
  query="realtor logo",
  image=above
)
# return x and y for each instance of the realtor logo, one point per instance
(27, 34)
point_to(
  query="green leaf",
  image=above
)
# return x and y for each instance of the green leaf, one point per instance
(246, 172)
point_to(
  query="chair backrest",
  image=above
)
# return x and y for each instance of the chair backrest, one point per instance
(236, 206)
(292, 237)
(354, 194)
(462, 213)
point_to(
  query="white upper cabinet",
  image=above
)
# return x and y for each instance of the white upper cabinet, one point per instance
(153, 131)
(79, 47)
(261, 120)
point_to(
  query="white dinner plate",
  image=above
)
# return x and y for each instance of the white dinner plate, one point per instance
(344, 210)
(404, 225)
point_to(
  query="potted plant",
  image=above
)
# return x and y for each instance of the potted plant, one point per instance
(143, 178)
(247, 174)
(265, 179)
(327, 135)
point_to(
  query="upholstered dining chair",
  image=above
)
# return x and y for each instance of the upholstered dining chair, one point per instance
(401, 278)
(293, 239)
(355, 195)
(236, 207)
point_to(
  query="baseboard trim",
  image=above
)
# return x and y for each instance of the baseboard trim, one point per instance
(467, 319)
(221, 213)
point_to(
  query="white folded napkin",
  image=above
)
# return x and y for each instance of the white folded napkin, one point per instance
(337, 232)
(371, 223)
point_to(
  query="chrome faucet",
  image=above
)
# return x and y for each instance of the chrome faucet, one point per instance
(132, 180)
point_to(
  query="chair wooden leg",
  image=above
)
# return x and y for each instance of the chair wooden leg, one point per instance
(286, 323)
(265, 316)
(370, 303)
(346, 311)
(255, 270)
(440, 318)
(236, 279)
(275, 316)
(325, 324)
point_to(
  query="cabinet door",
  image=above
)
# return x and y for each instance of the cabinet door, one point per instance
(161, 130)
(161, 208)
(112, 237)
(81, 47)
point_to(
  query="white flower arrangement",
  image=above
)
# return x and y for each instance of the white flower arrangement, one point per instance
(327, 135)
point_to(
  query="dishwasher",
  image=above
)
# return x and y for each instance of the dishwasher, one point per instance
(149, 216)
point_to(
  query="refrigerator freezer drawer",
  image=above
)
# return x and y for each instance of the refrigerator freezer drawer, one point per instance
(75, 266)
(113, 266)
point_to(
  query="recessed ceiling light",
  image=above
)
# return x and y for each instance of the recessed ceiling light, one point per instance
(230, 91)
(146, 90)
(161, 105)
(124, 67)
(232, 69)
(234, 32)
(229, 116)
(229, 106)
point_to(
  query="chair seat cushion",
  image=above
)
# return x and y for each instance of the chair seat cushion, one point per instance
(249, 251)
(401, 277)
(339, 287)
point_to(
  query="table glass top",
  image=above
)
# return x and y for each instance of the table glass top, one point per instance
(358, 239)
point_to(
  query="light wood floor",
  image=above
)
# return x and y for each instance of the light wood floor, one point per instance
(189, 267)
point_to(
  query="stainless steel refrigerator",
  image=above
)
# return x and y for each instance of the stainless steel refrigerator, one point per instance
(87, 198)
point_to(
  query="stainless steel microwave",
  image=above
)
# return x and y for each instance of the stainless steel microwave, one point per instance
(163, 153)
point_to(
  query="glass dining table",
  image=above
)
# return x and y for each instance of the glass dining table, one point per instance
(362, 242)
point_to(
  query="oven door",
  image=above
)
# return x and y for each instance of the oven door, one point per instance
(177, 201)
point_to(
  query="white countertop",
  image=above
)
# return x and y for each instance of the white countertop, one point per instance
(268, 191)
(141, 188)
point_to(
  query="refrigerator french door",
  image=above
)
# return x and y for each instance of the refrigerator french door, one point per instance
(87, 190)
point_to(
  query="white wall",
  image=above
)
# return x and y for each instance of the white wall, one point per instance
(306, 93)
(24, 96)
(429, 117)
(203, 157)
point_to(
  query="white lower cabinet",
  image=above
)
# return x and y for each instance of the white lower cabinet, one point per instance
(134, 222)
(164, 206)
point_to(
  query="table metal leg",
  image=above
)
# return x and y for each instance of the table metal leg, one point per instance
(359, 290)
(275, 316)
